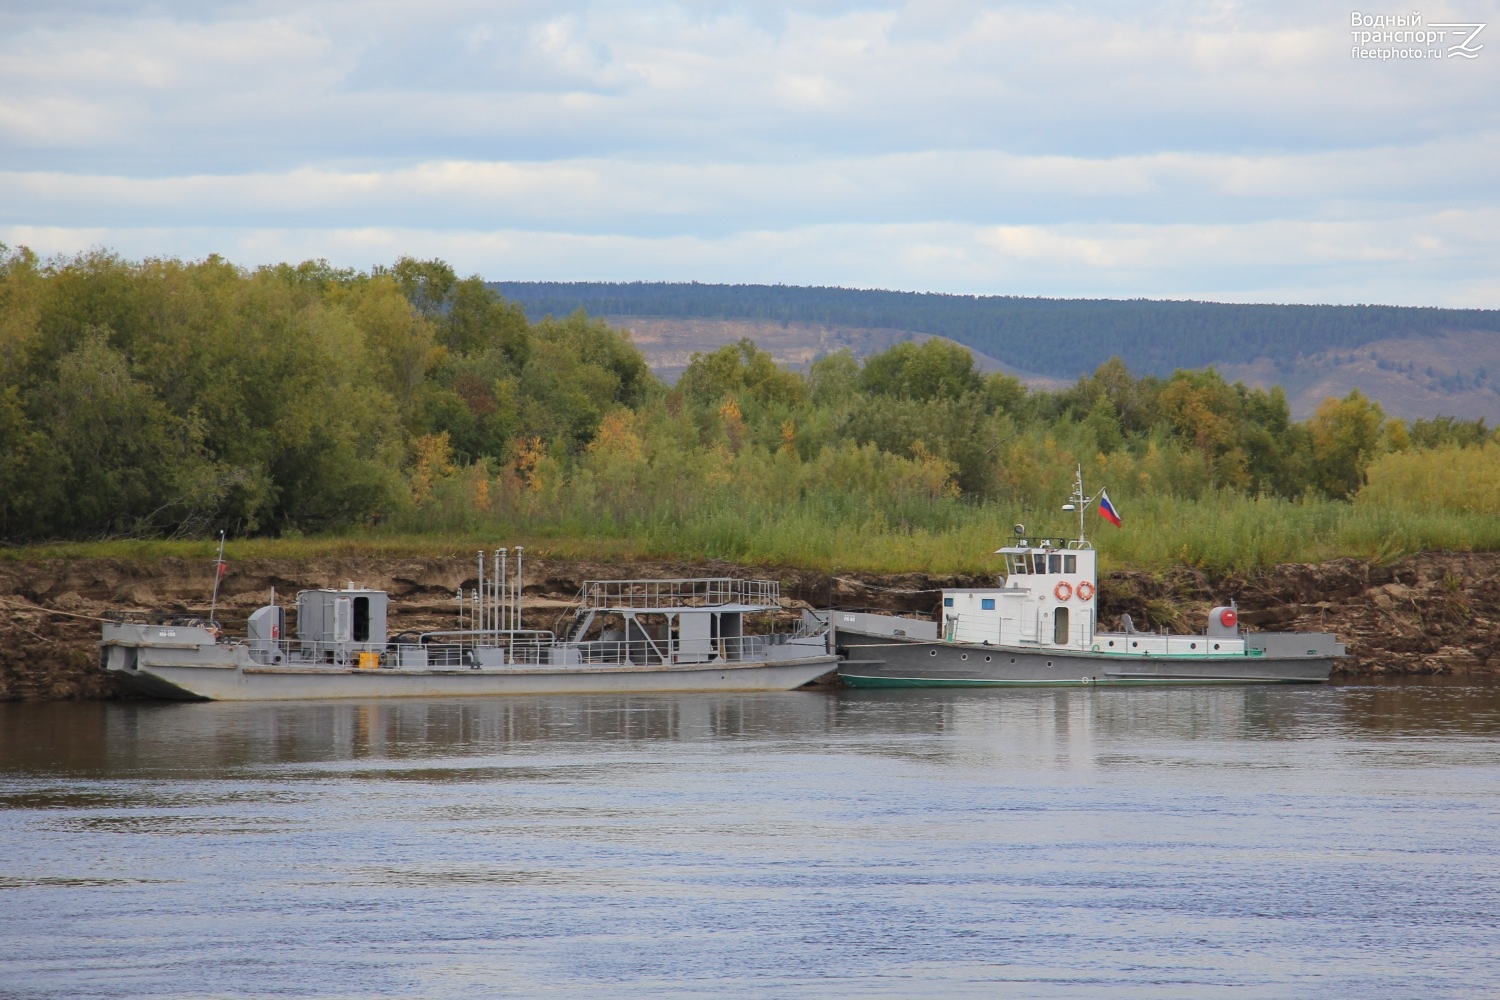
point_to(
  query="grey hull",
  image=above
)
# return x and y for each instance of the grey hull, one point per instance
(885, 661)
(232, 682)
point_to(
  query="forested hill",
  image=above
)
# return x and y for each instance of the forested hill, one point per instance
(1058, 337)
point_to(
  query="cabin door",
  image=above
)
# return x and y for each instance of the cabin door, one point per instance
(695, 637)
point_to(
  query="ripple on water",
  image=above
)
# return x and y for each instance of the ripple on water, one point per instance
(1186, 842)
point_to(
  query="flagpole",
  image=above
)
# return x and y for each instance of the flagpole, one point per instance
(218, 574)
(1083, 501)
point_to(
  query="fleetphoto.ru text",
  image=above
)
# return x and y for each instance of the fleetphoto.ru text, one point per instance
(1407, 36)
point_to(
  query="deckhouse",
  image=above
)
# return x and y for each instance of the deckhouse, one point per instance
(1046, 597)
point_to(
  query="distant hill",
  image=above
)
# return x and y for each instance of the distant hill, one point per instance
(1418, 362)
(1057, 337)
(669, 344)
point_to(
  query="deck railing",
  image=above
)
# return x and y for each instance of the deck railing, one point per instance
(697, 593)
(470, 649)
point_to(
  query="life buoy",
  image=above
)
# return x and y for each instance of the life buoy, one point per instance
(1085, 591)
(1063, 590)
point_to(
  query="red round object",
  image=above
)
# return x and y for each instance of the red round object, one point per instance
(1228, 618)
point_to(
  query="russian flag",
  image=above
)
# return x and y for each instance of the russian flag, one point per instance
(1107, 509)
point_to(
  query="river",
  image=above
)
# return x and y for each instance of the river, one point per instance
(1186, 842)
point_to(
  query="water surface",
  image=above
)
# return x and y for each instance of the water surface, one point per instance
(1250, 842)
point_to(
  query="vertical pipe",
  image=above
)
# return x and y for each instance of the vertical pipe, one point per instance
(504, 602)
(479, 595)
(519, 590)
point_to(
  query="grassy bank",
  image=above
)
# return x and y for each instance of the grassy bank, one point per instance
(1222, 532)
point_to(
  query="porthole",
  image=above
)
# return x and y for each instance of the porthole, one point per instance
(1049, 663)
(986, 659)
(1192, 645)
(1013, 659)
(963, 656)
(1134, 644)
(1111, 642)
(932, 652)
(1216, 645)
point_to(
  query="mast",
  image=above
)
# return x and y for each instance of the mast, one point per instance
(1080, 500)
(213, 604)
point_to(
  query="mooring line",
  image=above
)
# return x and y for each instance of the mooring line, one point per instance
(888, 590)
(55, 611)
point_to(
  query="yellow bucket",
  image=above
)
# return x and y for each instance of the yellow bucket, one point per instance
(369, 661)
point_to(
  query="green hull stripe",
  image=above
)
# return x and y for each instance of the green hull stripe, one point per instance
(856, 681)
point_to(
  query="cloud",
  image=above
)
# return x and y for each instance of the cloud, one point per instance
(1433, 256)
(1007, 143)
(654, 196)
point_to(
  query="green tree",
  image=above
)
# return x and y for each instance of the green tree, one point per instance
(595, 342)
(743, 371)
(133, 467)
(934, 369)
(1205, 411)
(1345, 438)
(398, 342)
(478, 320)
(427, 284)
(833, 380)
(35, 480)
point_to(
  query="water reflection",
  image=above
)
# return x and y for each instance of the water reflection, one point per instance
(1056, 842)
(1070, 724)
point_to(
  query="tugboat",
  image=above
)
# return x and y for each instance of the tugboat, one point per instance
(626, 636)
(1040, 626)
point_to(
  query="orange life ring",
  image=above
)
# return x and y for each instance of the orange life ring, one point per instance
(1063, 590)
(1085, 591)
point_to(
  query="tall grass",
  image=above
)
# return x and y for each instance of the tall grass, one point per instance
(825, 530)
(1224, 531)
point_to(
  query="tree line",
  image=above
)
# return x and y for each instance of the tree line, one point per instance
(162, 398)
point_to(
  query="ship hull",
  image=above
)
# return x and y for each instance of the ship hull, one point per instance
(884, 661)
(235, 682)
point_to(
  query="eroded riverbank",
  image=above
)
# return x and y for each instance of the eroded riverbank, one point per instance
(1429, 614)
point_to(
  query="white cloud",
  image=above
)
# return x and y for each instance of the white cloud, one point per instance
(954, 145)
(1349, 261)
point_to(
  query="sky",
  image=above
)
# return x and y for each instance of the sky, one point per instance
(1228, 151)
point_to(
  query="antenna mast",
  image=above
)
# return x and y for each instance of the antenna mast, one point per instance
(1081, 501)
(213, 604)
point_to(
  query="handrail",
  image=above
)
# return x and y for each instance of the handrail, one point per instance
(706, 592)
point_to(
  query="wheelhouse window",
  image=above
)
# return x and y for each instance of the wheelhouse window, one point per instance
(1039, 562)
(1070, 563)
(1055, 563)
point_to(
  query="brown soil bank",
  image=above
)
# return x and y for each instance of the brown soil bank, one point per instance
(1434, 613)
